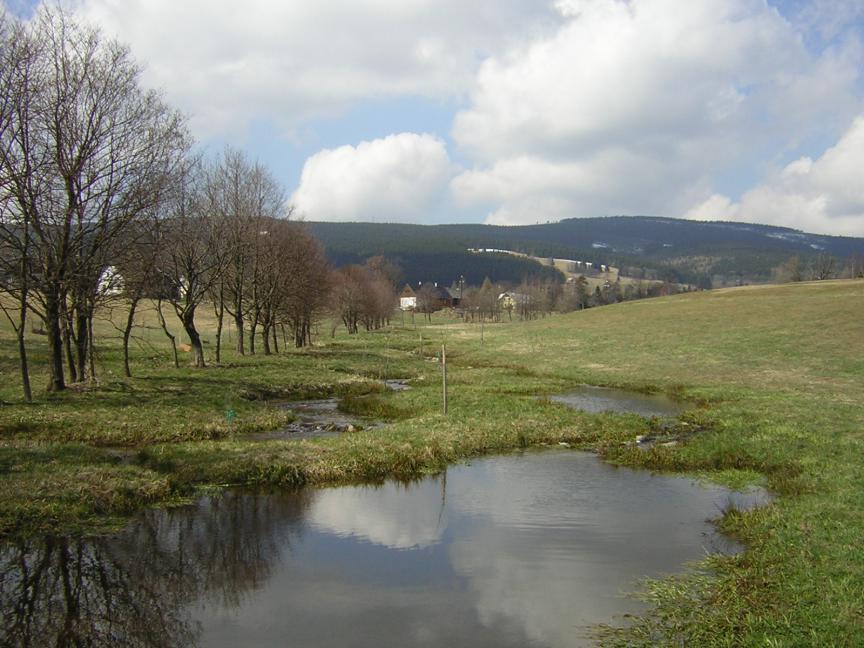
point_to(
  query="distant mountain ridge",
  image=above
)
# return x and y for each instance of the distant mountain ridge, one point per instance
(702, 253)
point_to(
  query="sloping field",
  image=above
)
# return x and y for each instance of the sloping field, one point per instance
(779, 372)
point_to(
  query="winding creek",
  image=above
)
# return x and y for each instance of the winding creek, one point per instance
(526, 549)
(320, 418)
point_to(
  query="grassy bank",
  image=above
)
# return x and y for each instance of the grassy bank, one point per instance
(774, 378)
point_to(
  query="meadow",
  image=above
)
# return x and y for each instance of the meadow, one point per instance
(772, 378)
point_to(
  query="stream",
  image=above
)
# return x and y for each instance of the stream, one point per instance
(316, 419)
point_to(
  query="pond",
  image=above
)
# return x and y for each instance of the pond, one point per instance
(519, 550)
(603, 399)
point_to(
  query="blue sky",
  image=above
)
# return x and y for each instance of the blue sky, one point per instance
(522, 111)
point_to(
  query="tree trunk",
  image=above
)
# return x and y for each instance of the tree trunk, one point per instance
(220, 315)
(81, 340)
(127, 333)
(168, 333)
(265, 338)
(275, 339)
(91, 349)
(22, 322)
(22, 351)
(188, 320)
(55, 340)
(253, 328)
(20, 329)
(238, 322)
(69, 343)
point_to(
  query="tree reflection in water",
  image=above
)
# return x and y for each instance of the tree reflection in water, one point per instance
(134, 588)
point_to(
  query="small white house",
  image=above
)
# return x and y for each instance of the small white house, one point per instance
(408, 299)
(110, 282)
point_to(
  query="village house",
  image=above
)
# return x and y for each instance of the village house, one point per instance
(110, 282)
(512, 300)
(408, 298)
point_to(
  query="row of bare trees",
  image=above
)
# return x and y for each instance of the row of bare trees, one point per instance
(364, 295)
(535, 298)
(84, 152)
(818, 268)
(100, 199)
(223, 238)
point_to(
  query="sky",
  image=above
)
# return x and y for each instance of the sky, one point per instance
(516, 112)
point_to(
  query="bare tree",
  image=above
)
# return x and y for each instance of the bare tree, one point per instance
(15, 61)
(487, 300)
(87, 152)
(349, 296)
(136, 265)
(427, 300)
(380, 294)
(790, 270)
(305, 291)
(823, 266)
(855, 267)
(247, 199)
(188, 259)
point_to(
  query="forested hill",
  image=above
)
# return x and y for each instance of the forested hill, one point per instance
(668, 248)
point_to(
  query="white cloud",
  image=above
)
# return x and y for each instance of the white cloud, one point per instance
(825, 195)
(230, 63)
(398, 178)
(369, 513)
(632, 107)
(573, 107)
(528, 189)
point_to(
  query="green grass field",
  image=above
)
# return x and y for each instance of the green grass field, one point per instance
(773, 377)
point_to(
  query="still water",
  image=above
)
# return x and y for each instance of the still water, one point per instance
(517, 550)
(603, 399)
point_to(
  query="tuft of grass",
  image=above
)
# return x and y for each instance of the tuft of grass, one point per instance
(373, 407)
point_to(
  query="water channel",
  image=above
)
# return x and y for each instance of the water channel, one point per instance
(316, 419)
(527, 549)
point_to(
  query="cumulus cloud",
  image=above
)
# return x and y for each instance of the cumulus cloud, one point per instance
(370, 513)
(528, 189)
(230, 63)
(632, 107)
(825, 195)
(397, 178)
(571, 107)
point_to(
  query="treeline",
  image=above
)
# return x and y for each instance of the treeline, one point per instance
(365, 295)
(535, 298)
(419, 265)
(820, 267)
(85, 153)
(102, 202)
(222, 238)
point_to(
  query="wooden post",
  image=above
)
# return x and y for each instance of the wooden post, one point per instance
(444, 374)
(481, 331)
